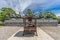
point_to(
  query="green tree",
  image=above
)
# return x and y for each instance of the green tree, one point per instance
(8, 10)
(5, 13)
(52, 15)
(29, 12)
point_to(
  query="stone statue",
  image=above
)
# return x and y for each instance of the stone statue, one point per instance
(12, 15)
(33, 13)
(48, 15)
(19, 15)
(41, 15)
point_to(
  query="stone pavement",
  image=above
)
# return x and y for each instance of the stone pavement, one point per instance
(52, 31)
(7, 31)
(41, 35)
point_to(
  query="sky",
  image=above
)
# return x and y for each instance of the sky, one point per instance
(36, 5)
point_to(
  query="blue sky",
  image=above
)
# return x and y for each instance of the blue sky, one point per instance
(43, 5)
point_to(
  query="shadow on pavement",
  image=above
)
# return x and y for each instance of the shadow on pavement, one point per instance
(20, 34)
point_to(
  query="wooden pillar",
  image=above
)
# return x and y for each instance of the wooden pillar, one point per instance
(24, 22)
(35, 21)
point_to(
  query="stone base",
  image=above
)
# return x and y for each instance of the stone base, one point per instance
(40, 22)
(14, 22)
(47, 22)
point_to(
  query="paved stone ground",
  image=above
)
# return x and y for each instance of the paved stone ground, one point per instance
(41, 35)
(7, 31)
(52, 31)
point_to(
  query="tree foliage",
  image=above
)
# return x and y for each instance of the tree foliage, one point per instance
(29, 12)
(5, 13)
(51, 14)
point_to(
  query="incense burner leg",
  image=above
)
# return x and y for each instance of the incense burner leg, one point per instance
(23, 33)
(36, 34)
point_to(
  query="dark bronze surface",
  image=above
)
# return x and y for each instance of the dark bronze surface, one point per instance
(30, 27)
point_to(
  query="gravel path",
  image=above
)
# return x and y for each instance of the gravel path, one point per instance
(7, 31)
(53, 31)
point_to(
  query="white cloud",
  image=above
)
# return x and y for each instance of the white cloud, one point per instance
(3, 4)
(58, 14)
(20, 5)
(40, 1)
(25, 4)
